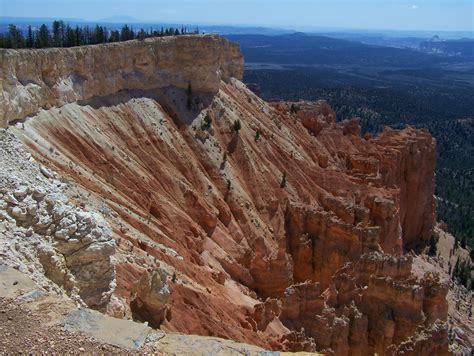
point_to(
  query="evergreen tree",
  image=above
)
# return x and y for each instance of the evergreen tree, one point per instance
(63, 35)
(86, 35)
(114, 36)
(30, 40)
(283, 181)
(98, 35)
(294, 108)
(43, 38)
(432, 251)
(125, 33)
(237, 126)
(79, 36)
(189, 99)
(58, 33)
(15, 37)
(142, 34)
(70, 37)
(257, 135)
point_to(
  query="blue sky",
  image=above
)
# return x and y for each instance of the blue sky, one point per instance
(439, 15)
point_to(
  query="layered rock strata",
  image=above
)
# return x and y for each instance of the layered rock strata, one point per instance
(32, 80)
(275, 224)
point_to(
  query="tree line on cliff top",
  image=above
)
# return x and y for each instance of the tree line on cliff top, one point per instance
(64, 35)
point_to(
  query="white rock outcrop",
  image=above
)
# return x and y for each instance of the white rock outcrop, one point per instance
(43, 235)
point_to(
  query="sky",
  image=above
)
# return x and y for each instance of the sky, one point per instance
(439, 15)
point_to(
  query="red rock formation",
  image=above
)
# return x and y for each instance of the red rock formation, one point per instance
(293, 207)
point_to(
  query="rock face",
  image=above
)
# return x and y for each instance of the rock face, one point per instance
(33, 80)
(40, 230)
(287, 233)
(151, 296)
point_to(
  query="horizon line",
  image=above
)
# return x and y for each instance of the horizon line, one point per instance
(285, 27)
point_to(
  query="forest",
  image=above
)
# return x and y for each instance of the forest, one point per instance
(63, 35)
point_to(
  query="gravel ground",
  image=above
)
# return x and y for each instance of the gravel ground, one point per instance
(23, 332)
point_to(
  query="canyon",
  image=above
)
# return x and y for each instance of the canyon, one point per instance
(189, 203)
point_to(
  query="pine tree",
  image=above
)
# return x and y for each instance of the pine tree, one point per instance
(79, 36)
(114, 36)
(125, 33)
(237, 126)
(257, 135)
(432, 251)
(55, 31)
(70, 37)
(142, 34)
(63, 35)
(294, 108)
(98, 35)
(30, 40)
(15, 37)
(283, 181)
(189, 100)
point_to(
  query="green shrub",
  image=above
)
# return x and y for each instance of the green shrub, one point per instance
(257, 135)
(283, 180)
(237, 125)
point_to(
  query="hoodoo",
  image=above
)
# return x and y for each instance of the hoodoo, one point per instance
(269, 224)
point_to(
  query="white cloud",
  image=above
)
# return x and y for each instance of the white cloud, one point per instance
(414, 7)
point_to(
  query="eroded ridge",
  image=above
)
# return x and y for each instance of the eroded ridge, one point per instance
(270, 224)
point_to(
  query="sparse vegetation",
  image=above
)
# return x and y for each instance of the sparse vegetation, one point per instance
(294, 108)
(257, 135)
(432, 250)
(462, 273)
(189, 97)
(283, 181)
(237, 126)
(207, 121)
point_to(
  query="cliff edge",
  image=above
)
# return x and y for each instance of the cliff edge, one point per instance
(31, 80)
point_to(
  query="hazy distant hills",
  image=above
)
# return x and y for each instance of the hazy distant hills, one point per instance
(298, 48)
(463, 47)
(302, 49)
